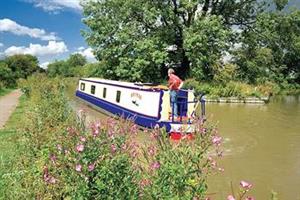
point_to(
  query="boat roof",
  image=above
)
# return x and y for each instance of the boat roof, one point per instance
(138, 85)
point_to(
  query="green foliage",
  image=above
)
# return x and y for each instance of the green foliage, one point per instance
(177, 171)
(18, 66)
(76, 60)
(232, 89)
(280, 4)
(270, 49)
(204, 43)
(67, 68)
(134, 37)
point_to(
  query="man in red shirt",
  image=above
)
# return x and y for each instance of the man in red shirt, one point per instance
(174, 84)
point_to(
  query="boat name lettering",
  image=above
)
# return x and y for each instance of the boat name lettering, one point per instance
(136, 95)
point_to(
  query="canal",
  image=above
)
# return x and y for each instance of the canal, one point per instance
(261, 145)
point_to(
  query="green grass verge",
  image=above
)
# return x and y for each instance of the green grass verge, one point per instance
(10, 144)
(5, 91)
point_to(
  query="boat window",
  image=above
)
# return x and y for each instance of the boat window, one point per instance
(93, 88)
(118, 96)
(82, 86)
(104, 92)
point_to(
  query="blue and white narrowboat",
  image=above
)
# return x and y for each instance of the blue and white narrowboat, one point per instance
(148, 105)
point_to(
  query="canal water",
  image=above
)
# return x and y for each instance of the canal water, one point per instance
(261, 146)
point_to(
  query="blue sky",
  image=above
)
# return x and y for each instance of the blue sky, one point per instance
(49, 29)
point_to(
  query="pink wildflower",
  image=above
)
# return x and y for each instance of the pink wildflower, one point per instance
(79, 147)
(230, 197)
(124, 147)
(212, 162)
(216, 140)
(67, 152)
(245, 185)
(151, 150)
(98, 124)
(91, 167)
(113, 148)
(59, 147)
(71, 131)
(250, 198)
(145, 182)
(53, 158)
(52, 180)
(221, 169)
(78, 168)
(155, 165)
(47, 177)
(95, 132)
(133, 153)
(82, 139)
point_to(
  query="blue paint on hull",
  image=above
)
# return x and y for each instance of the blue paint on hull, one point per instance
(142, 120)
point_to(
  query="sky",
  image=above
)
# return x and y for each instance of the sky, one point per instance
(48, 29)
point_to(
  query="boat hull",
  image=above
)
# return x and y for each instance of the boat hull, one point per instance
(141, 120)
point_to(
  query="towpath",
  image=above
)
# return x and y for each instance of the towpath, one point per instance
(8, 103)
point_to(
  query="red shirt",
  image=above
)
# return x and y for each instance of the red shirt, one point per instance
(174, 82)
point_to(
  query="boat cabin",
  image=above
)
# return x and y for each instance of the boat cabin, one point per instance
(147, 104)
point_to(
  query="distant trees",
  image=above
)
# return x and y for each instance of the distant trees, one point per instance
(67, 68)
(18, 66)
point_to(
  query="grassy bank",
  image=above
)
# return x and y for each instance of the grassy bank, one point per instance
(10, 144)
(240, 90)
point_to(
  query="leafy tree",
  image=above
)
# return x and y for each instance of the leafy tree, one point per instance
(22, 65)
(67, 68)
(58, 68)
(15, 67)
(271, 49)
(134, 37)
(6, 75)
(76, 60)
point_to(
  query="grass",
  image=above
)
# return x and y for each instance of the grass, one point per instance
(5, 91)
(9, 142)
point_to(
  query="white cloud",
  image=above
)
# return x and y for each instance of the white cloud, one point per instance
(44, 65)
(7, 25)
(87, 52)
(1, 44)
(52, 48)
(56, 5)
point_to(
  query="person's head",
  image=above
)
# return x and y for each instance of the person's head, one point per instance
(170, 71)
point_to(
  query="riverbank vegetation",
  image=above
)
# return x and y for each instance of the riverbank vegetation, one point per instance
(56, 154)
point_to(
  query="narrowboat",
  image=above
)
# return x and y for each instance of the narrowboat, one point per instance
(148, 105)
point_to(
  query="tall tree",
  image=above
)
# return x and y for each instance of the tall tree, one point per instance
(138, 38)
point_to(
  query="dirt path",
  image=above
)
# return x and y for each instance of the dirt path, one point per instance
(8, 103)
